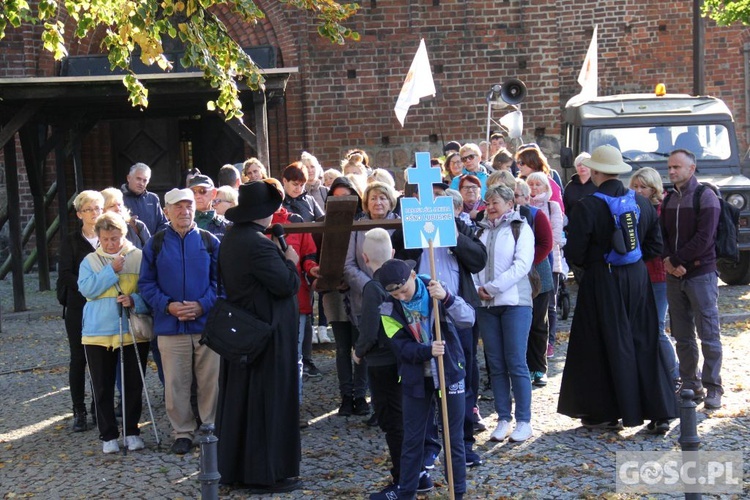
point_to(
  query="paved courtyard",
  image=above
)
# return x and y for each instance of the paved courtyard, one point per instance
(342, 457)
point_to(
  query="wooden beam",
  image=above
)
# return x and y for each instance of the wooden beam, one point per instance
(14, 220)
(18, 120)
(244, 132)
(29, 135)
(75, 143)
(62, 189)
(360, 225)
(261, 127)
(337, 229)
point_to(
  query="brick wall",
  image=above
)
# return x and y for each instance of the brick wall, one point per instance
(473, 45)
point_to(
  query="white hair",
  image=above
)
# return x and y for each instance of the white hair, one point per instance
(378, 246)
(458, 201)
(579, 159)
(140, 166)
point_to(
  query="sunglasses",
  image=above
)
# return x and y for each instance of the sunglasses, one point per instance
(217, 201)
(468, 158)
(200, 190)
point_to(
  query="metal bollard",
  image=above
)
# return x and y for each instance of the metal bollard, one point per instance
(209, 475)
(689, 439)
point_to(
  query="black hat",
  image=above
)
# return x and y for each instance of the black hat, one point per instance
(257, 200)
(451, 146)
(394, 273)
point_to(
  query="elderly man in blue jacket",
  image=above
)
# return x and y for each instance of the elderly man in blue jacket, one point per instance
(178, 280)
(143, 204)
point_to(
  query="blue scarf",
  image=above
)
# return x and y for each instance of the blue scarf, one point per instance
(417, 311)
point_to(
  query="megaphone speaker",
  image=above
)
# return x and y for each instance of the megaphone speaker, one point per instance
(513, 91)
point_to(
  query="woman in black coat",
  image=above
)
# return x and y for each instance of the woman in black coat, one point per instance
(258, 411)
(73, 250)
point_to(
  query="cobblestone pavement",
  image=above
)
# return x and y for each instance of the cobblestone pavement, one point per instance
(342, 457)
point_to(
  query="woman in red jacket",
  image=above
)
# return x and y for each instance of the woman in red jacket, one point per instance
(305, 247)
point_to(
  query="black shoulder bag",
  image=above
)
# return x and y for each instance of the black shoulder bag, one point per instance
(234, 333)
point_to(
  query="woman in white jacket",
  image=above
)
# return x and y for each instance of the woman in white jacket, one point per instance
(505, 315)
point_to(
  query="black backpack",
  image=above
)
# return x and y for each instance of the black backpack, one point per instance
(727, 243)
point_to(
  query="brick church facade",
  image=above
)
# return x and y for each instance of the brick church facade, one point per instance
(343, 96)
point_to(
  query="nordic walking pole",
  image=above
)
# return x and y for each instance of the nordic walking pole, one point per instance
(143, 381)
(441, 378)
(122, 376)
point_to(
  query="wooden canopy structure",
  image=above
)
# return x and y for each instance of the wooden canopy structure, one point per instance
(53, 114)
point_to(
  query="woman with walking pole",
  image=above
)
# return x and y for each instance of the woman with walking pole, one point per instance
(108, 278)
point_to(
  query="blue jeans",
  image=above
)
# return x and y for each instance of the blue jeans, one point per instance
(505, 334)
(416, 413)
(693, 306)
(660, 295)
(666, 350)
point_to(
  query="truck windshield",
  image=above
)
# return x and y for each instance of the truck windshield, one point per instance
(644, 144)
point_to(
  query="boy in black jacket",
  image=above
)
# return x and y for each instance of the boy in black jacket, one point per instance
(408, 320)
(382, 367)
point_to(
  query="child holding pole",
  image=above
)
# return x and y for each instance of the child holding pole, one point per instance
(408, 317)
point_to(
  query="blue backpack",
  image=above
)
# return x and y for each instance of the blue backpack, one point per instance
(626, 248)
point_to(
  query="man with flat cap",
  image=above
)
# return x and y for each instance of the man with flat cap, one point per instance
(258, 414)
(613, 370)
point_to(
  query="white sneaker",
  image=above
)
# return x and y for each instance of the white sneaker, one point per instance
(501, 432)
(314, 336)
(323, 335)
(110, 446)
(134, 443)
(522, 432)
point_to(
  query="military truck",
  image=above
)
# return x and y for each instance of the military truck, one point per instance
(646, 127)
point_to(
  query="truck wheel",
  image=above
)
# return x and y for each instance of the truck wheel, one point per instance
(735, 273)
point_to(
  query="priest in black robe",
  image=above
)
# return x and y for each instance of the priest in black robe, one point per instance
(257, 419)
(613, 370)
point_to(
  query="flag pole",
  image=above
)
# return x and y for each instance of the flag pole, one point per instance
(441, 378)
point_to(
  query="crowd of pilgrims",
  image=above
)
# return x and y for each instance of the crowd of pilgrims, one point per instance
(511, 213)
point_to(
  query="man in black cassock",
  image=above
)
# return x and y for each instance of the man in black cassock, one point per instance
(258, 412)
(613, 369)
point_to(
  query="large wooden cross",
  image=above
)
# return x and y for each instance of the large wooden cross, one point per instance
(337, 228)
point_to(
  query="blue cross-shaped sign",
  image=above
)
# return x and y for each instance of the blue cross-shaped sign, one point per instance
(427, 218)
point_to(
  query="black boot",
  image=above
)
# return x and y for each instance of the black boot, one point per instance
(361, 407)
(347, 406)
(79, 420)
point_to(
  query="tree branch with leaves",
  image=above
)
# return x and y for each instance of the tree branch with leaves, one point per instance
(137, 28)
(726, 12)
